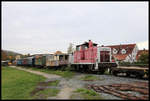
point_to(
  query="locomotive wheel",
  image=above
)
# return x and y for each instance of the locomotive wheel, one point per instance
(139, 76)
(128, 74)
(102, 72)
(94, 72)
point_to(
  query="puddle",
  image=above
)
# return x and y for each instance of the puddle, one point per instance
(42, 86)
(36, 90)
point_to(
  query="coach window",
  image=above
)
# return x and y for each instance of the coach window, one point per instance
(61, 57)
(66, 57)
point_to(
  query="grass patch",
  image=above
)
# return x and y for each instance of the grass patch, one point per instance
(86, 91)
(90, 78)
(85, 94)
(17, 84)
(65, 74)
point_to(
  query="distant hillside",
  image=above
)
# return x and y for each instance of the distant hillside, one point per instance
(11, 52)
(9, 55)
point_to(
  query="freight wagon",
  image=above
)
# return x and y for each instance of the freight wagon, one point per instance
(139, 72)
(90, 57)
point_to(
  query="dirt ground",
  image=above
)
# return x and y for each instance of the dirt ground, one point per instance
(67, 86)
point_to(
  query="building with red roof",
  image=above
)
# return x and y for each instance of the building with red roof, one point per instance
(124, 52)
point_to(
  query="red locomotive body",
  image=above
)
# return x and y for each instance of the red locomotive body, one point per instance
(85, 53)
(89, 56)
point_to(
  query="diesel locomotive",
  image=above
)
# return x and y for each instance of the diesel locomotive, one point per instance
(90, 57)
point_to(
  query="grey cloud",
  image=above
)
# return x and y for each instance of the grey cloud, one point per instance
(52, 26)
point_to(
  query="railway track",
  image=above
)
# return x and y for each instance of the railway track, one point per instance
(119, 90)
(122, 76)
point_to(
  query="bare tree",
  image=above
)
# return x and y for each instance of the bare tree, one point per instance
(70, 48)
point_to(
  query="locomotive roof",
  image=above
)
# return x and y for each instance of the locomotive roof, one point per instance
(86, 44)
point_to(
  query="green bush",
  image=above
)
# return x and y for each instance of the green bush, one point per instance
(144, 58)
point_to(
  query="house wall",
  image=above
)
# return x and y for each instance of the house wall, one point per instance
(134, 53)
(132, 57)
(128, 59)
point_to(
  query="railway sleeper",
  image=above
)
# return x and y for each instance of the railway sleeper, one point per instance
(143, 91)
(113, 93)
(119, 85)
(126, 87)
(138, 86)
(142, 86)
(105, 90)
(109, 90)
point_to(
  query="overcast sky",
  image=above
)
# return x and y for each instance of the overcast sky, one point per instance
(45, 27)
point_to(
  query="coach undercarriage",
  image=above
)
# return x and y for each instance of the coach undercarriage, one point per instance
(91, 67)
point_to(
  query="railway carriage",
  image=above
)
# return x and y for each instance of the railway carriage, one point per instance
(40, 60)
(19, 62)
(57, 60)
(51, 60)
(30, 61)
(24, 61)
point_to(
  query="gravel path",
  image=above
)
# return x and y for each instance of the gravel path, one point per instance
(49, 76)
(68, 85)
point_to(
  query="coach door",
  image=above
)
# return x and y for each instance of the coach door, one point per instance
(104, 56)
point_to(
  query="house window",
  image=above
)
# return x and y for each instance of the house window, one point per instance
(123, 51)
(114, 51)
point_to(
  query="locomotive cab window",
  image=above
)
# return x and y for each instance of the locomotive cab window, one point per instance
(77, 48)
(84, 47)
